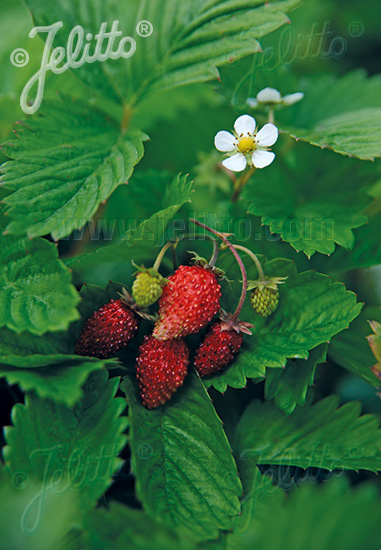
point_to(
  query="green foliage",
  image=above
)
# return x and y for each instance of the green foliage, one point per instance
(32, 517)
(341, 114)
(197, 38)
(76, 174)
(137, 243)
(311, 218)
(188, 41)
(66, 162)
(365, 253)
(351, 349)
(320, 436)
(48, 365)
(184, 469)
(320, 517)
(36, 293)
(121, 524)
(289, 387)
(311, 310)
(73, 449)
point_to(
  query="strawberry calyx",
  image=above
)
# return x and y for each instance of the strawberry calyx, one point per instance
(201, 262)
(127, 299)
(270, 282)
(229, 322)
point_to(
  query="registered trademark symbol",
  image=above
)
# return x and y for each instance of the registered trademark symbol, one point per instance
(144, 28)
(355, 29)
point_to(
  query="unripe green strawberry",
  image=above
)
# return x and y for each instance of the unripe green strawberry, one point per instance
(264, 295)
(264, 300)
(147, 287)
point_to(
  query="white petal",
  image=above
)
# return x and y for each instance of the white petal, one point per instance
(292, 98)
(267, 135)
(252, 102)
(262, 158)
(268, 95)
(245, 124)
(224, 141)
(237, 162)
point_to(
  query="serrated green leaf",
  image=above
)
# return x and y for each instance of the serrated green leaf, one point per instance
(318, 517)
(77, 448)
(182, 461)
(289, 387)
(188, 41)
(311, 310)
(341, 114)
(66, 161)
(321, 436)
(47, 364)
(137, 244)
(350, 349)
(60, 379)
(365, 253)
(36, 293)
(312, 218)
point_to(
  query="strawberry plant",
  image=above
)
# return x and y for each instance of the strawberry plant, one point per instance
(189, 275)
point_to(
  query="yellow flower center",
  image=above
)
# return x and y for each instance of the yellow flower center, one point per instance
(246, 145)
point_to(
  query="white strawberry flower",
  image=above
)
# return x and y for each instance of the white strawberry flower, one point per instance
(271, 97)
(245, 145)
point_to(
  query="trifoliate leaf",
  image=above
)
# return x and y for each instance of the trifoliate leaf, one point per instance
(351, 350)
(77, 447)
(36, 293)
(319, 517)
(312, 218)
(66, 161)
(137, 244)
(289, 387)
(340, 114)
(182, 461)
(311, 310)
(320, 436)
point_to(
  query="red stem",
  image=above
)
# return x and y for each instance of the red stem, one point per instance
(239, 261)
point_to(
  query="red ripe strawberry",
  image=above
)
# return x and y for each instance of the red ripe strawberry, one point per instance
(107, 330)
(217, 349)
(189, 302)
(161, 368)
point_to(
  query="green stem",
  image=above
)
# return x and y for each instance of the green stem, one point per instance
(254, 258)
(241, 182)
(239, 261)
(127, 114)
(271, 114)
(160, 256)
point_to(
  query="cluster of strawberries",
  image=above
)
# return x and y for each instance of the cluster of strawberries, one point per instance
(188, 301)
